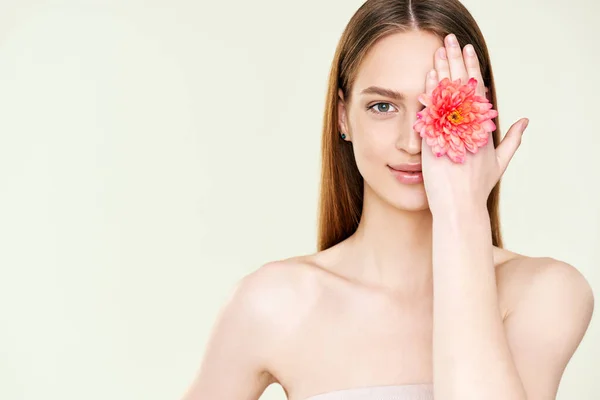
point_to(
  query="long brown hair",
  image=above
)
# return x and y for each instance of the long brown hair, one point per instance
(341, 192)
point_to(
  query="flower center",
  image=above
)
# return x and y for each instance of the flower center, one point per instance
(455, 117)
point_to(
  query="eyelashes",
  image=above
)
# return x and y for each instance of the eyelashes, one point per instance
(372, 108)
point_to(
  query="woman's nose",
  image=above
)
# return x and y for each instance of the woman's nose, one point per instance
(408, 139)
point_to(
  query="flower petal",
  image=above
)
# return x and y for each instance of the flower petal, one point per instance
(455, 120)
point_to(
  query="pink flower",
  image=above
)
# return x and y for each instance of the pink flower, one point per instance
(455, 119)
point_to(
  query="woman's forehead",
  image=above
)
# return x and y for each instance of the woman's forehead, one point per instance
(399, 61)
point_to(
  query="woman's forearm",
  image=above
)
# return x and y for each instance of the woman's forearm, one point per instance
(471, 357)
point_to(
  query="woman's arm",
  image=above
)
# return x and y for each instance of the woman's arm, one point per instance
(475, 355)
(235, 358)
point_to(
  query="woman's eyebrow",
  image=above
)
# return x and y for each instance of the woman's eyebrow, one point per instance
(384, 92)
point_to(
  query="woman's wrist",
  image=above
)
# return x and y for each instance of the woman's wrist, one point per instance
(461, 215)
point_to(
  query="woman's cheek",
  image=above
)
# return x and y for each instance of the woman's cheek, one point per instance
(372, 147)
(373, 139)
(370, 154)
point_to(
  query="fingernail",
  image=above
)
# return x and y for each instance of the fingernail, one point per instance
(432, 74)
(452, 39)
(470, 50)
(525, 124)
(442, 53)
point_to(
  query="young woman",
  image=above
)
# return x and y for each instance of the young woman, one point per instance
(411, 294)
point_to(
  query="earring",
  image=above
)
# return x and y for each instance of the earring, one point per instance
(343, 135)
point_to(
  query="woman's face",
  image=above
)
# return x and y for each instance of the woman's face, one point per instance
(379, 125)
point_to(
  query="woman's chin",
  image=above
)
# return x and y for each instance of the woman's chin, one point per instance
(410, 201)
(415, 207)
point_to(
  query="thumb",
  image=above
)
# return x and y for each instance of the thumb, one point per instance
(510, 143)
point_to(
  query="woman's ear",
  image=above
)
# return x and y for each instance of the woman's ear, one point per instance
(342, 115)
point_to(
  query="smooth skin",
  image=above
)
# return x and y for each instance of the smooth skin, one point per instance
(363, 312)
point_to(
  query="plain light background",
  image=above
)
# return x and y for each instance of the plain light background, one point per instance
(154, 152)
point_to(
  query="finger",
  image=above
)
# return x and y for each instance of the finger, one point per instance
(510, 143)
(441, 64)
(455, 59)
(431, 81)
(473, 68)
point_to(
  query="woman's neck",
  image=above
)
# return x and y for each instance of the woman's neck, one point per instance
(391, 248)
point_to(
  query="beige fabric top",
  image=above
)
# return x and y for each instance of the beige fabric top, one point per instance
(422, 391)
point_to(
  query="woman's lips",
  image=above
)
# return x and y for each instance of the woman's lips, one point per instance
(407, 177)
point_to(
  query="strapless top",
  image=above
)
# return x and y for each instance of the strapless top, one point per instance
(419, 391)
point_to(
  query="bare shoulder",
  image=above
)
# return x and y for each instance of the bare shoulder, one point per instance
(519, 277)
(272, 298)
(554, 283)
(278, 287)
(251, 328)
(551, 309)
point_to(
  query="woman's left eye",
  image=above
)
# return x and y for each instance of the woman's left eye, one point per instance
(384, 108)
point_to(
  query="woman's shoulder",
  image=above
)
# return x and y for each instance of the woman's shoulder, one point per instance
(551, 306)
(520, 277)
(289, 275)
(521, 268)
(279, 288)
(260, 312)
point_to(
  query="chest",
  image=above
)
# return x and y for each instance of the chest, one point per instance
(360, 341)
